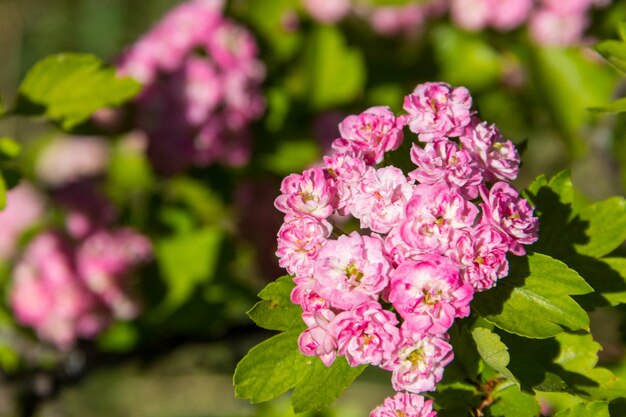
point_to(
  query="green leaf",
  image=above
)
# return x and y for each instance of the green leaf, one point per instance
(492, 350)
(276, 311)
(616, 106)
(595, 409)
(70, 87)
(292, 156)
(571, 83)
(335, 72)
(606, 227)
(271, 368)
(322, 385)
(187, 260)
(456, 50)
(511, 401)
(614, 52)
(534, 300)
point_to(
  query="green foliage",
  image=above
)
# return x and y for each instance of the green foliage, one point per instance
(9, 171)
(595, 409)
(527, 288)
(276, 311)
(492, 350)
(70, 87)
(334, 72)
(187, 260)
(510, 401)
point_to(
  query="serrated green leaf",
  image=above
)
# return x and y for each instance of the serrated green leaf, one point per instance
(492, 350)
(511, 401)
(465, 352)
(606, 227)
(335, 71)
(322, 385)
(534, 300)
(271, 368)
(70, 87)
(187, 260)
(595, 409)
(276, 311)
(9, 148)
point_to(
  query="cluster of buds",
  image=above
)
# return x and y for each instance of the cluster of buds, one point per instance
(426, 241)
(201, 77)
(550, 22)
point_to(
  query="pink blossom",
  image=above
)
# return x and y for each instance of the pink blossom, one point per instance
(567, 7)
(70, 159)
(549, 28)
(404, 404)
(346, 172)
(304, 295)
(370, 134)
(417, 365)
(328, 11)
(105, 261)
(300, 239)
(481, 253)
(504, 15)
(366, 334)
(351, 270)
(25, 206)
(513, 215)
(379, 200)
(437, 110)
(48, 295)
(442, 160)
(310, 193)
(203, 89)
(472, 15)
(317, 339)
(429, 294)
(509, 14)
(497, 157)
(432, 216)
(395, 20)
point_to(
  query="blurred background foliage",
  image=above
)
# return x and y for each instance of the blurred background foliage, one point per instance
(213, 228)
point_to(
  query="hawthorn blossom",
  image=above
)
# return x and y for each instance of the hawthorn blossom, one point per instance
(345, 171)
(379, 200)
(432, 216)
(370, 134)
(481, 252)
(418, 363)
(366, 334)
(496, 156)
(437, 110)
(304, 295)
(513, 215)
(318, 339)
(300, 239)
(351, 270)
(327, 11)
(405, 404)
(310, 194)
(24, 208)
(442, 160)
(429, 294)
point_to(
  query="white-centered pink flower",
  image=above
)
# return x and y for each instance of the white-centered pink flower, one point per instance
(442, 160)
(346, 172)
(370, 134)
(496, 156)
(379, 200)
(481, 253)
(304, 295)
(432, 216)
(318, 339)
(513, 215)
(351, 270)
(310, 193)
(300, 239)
(429, 294)
(419, 361)
(438, 110)
(366, 334)
(405, 404)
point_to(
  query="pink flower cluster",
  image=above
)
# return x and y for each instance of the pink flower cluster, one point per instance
(201, 77)
(67, 290)
(550, 22)
(427, 240)
(70, 285)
